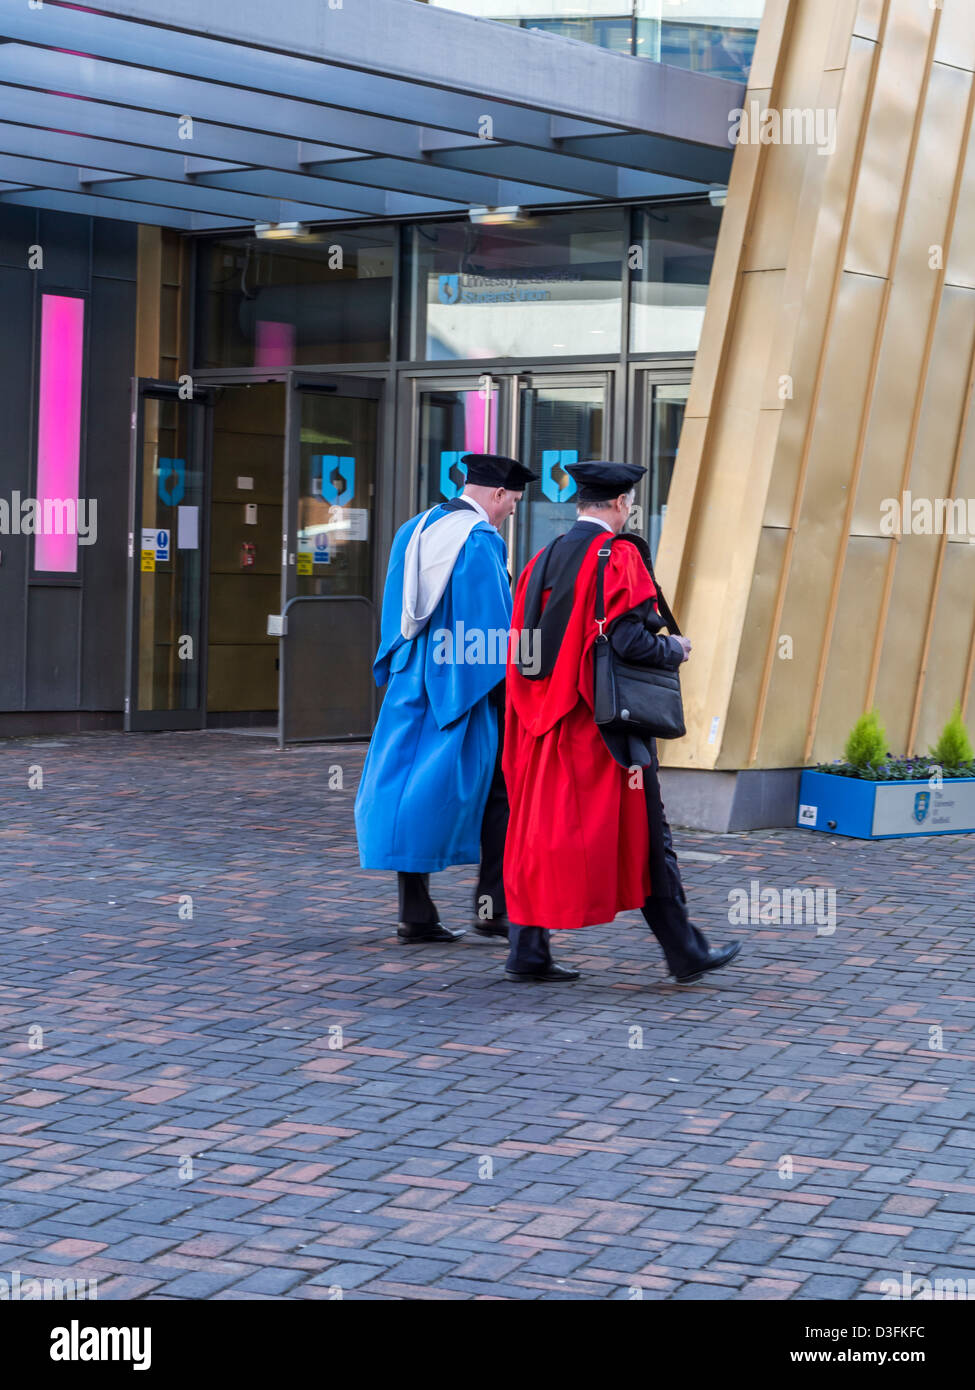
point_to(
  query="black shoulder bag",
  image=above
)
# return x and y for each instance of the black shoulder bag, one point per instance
(640, 700)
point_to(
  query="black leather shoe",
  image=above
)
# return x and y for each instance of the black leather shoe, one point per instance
(492, 926)
(717, 957)
(413, 932)
(551, 975)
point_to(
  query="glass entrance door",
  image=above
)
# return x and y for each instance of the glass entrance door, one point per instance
(453, 417)
(167, 535)
(661, 399)
(561, 420)
(333, 428)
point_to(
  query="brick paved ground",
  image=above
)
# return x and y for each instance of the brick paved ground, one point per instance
(663, 1168)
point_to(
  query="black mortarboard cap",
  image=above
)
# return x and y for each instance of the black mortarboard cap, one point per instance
(494, 470)
(604, 481)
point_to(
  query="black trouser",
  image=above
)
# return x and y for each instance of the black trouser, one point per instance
(665, 910)
(415, 904)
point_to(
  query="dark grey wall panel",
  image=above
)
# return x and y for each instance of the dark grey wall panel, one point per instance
(43, 626)
(114, 249)
(18, 232)
(16, 370)
(53, 617)
(107, 473)
(65, 240)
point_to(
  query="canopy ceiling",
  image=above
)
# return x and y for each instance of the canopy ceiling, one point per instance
(205, 114)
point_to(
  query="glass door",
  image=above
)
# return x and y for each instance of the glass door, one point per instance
(166, 590)
(452, 417)
(332, 452)
(561, 420)
(661, 399)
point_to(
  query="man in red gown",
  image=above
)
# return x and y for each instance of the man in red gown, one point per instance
(588, 837)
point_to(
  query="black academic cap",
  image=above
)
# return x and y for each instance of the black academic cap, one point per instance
(494, 470)
(605, 481)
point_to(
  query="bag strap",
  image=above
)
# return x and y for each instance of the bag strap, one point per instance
(670, 622)
(663, 608)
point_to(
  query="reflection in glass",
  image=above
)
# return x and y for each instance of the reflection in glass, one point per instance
(541, 287)
(337, 494)
(715, 36)
(454, 423)
(669, 284)
(319, 298)
(559, 425)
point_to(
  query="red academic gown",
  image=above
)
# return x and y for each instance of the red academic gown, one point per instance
(577, 849)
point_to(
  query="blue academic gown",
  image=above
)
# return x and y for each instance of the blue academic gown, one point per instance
(428, 770)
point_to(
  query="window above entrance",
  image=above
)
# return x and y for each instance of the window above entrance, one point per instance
(539, 287)
(324, 296)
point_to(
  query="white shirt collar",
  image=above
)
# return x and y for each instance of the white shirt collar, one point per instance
(596, 521)
(477, 507)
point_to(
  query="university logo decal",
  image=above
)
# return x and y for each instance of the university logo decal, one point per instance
(448, 289)
(554, 489)
(172, 481)
(453, 474)
(922, 802)
(338, 477)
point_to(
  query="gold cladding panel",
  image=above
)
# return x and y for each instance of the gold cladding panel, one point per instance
(768, 46)
(942, 144)
(784, 480)
(815, 249)
(820, 534)
(792, 683)
(945, 396)
(887, 147)
(961, 254)
(848, 668)
(714, 625)
(841, 402)
(725, 524)
(722, 290)
(912, 298)
(838, 48)
(869, 18)
(904, 636)
(804, 88)
(951, 634)
(754, 644)
(746, 365)
(965, 484)
(956, 35)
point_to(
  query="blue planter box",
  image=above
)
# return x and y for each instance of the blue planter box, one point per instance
(885, 810)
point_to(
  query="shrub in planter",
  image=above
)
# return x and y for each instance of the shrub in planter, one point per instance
(870, 794)
(954, 747)
(867, 745)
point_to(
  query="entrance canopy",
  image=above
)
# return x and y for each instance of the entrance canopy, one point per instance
(211, 114)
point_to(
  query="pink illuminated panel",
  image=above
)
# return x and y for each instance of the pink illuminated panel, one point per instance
(476, 404)
(59, 428)
(275, 346)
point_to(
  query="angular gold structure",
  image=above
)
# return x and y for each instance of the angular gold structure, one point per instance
(835, 374)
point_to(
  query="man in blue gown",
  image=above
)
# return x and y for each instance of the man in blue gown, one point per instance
(432, 792)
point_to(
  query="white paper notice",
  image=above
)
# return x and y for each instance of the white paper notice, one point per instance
(358, 524)
(187, 528)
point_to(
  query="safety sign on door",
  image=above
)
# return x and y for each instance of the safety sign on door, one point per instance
(154, 549)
